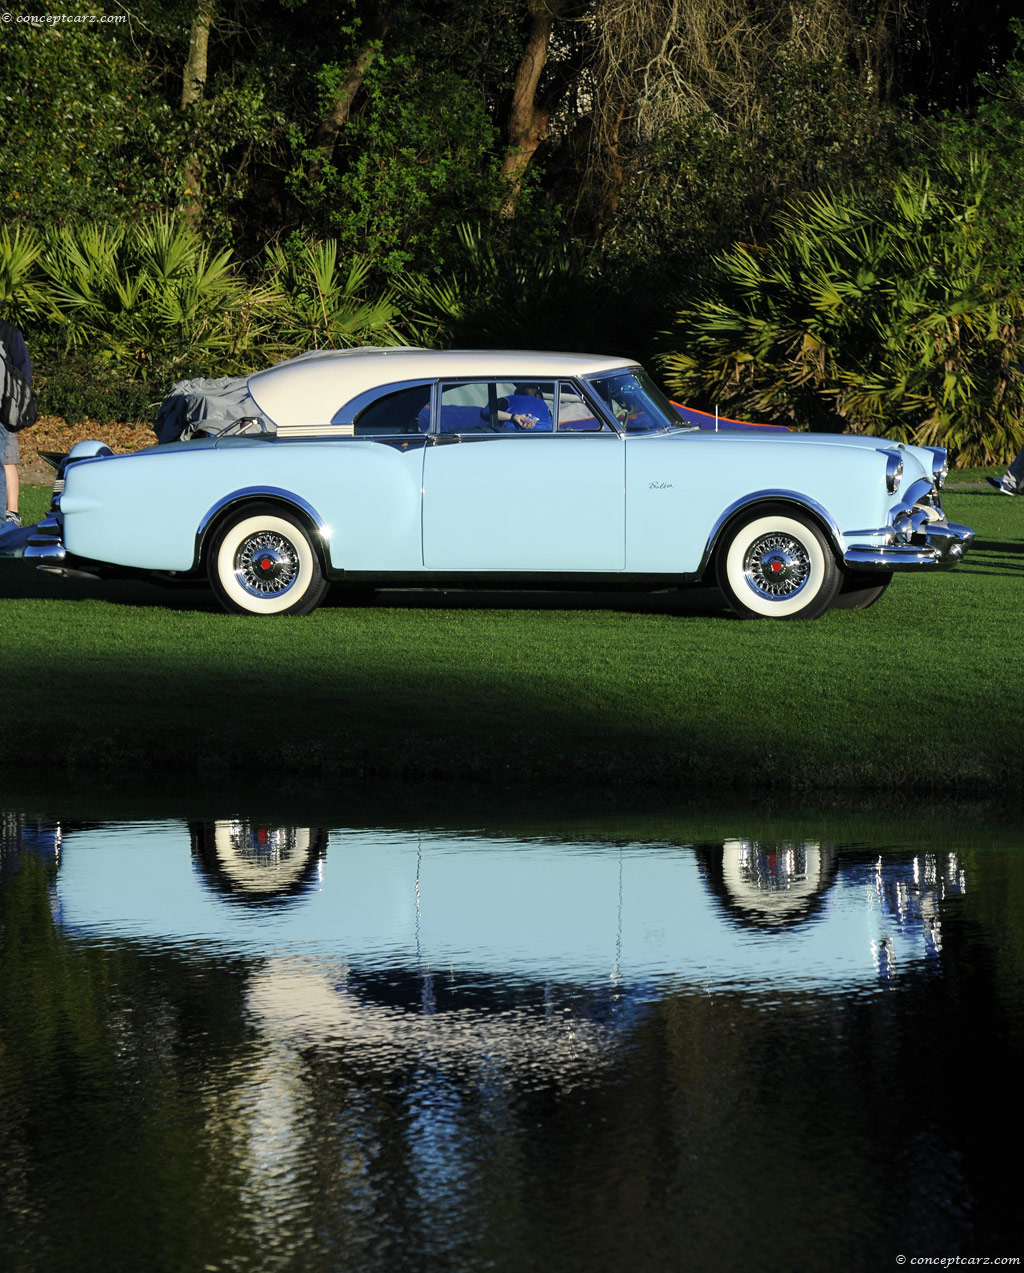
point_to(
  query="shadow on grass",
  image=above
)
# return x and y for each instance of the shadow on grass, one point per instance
(20, 581)
(706, 602)
(426, 711)
(987, 549)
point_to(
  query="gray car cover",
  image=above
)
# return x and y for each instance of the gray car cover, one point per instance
(203, 406)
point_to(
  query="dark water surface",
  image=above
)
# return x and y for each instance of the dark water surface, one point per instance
(559, 1041)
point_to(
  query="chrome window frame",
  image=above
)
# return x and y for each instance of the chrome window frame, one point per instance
(607, 428)
(609, 415)
(347, 415)
(587, 396)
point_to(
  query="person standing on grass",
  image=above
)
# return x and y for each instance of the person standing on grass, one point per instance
(1012, 481)
(14, 349)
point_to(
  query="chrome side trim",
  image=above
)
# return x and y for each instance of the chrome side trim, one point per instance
(263, 492)
(315, 430)
(775, 496)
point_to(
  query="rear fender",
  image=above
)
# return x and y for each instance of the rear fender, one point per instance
(287, 501)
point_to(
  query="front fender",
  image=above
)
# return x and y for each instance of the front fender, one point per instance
(796, 500)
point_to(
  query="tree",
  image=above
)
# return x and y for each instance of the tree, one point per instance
(71, 94)
(344, 84)
(529, 115)
(193, 87)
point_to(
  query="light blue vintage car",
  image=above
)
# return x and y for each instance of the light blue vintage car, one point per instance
(392, 467)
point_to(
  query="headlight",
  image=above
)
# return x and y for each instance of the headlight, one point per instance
(940, 465)
(893, 471)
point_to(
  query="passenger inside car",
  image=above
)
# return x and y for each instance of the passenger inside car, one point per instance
(526, 408)
(493, 407)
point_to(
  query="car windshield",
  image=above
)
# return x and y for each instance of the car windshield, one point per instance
(636, 402)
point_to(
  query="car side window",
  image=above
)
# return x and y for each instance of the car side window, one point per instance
(496, 406)
(575, 414)
(406, 410)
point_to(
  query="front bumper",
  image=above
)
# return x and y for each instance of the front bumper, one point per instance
(919, 539)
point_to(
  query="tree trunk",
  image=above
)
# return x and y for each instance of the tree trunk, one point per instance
(193, 81)
(528, 121)
(193, 86)
(613, 173)
(326, 136)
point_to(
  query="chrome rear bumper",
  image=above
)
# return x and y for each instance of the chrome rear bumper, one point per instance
(47, 540)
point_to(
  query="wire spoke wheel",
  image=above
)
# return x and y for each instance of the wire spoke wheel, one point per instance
(777, 566)
(266, 564)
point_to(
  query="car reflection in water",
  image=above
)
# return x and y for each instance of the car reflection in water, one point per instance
(533, 953)
(258, 864)
(22, 836)
(439, 959)
(911, 901)
(769, 885)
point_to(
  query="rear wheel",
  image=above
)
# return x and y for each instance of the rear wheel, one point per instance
(860, 590)
(263, 562)
(777, 565)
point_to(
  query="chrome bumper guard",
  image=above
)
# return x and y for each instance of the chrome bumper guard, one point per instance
(919, 541)
(47, 541)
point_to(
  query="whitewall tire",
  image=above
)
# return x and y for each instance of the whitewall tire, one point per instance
(777, 565)
(262, 562)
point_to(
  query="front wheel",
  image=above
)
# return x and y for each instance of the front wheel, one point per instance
(777, 565)
(262, 562)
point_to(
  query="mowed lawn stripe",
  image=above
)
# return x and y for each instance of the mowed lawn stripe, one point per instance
(666, 691)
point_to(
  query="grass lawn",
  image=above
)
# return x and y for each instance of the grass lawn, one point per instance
(667, 692)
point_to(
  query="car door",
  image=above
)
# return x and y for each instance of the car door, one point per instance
(522, 476)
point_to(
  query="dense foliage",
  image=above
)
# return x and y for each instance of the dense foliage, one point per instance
(893, 317)
(195, 186)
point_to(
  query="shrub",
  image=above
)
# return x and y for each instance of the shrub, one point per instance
(21, 296)
(152, 295)
(78, 387)
(890, 318)
(318, 302)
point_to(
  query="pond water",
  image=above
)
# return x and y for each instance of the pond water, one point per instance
(608, 1042)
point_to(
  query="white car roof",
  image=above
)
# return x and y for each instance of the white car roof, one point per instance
(309, 390)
